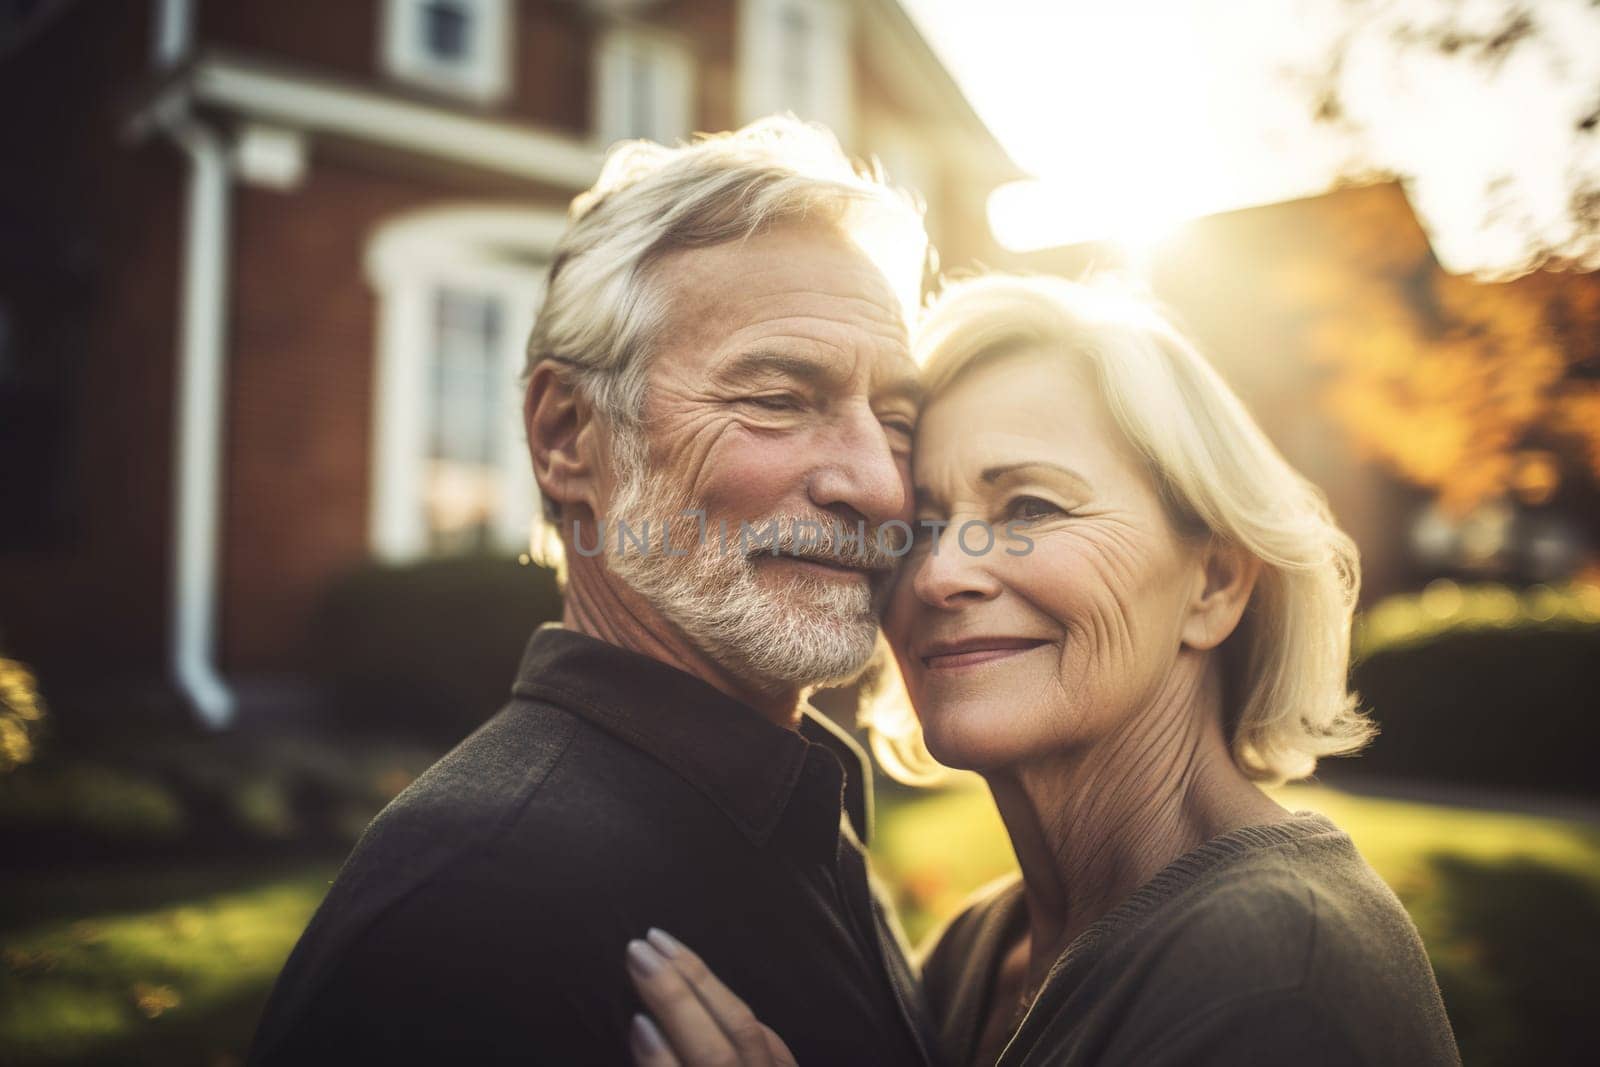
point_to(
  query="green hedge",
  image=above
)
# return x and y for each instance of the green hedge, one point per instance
(1508, 707)
(428, 649)
(190, 795)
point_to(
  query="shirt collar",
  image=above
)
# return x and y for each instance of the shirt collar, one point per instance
(743, 762)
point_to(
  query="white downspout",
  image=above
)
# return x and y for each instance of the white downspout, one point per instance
(172, 32)
(198, 443)
(200, 381)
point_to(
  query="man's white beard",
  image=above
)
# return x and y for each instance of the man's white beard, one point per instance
(810, 631)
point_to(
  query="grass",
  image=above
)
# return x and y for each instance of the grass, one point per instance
(180, 982)
(1508, 905)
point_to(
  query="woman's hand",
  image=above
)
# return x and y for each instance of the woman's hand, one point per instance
(702, 1024)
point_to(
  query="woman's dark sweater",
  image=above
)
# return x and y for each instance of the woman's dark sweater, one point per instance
(1270, 944)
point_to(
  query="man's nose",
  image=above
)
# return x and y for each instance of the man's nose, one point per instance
(859, 471)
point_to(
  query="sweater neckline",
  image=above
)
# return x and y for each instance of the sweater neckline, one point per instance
(1166, 883)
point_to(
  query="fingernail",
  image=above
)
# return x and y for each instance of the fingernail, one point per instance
(646, 1038)
(644, 959)
(664, 942)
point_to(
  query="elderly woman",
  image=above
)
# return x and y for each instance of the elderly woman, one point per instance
(1166, 629)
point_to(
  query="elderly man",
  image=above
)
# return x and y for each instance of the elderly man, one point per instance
(720, 402)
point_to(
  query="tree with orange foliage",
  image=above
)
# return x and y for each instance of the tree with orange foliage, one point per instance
(1472, 390)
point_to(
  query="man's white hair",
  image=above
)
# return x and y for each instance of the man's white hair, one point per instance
(1286, 667)
(603, 308)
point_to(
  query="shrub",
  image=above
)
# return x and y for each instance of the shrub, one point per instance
(1507, 705)
(429, 649)
(189, 796)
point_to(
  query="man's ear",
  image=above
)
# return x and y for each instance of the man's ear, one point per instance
(1229, 576)
(560, 426)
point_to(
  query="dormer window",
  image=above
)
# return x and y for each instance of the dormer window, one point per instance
(452, 46)
(446, 30)
(794, 55)
(795, 61)
(644, 86)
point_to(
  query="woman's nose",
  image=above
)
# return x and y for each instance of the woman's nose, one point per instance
(953, 569)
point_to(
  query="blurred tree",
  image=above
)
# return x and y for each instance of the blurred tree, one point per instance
(1487, 111)
(21, 713)
(1469, 389)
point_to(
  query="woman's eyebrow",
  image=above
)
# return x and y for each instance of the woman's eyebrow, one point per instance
(993, 474)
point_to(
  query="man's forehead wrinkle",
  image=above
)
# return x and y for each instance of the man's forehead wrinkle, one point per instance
(817, 331)
(837, 306)
(722, 303)
(733, 269)
(705, 320)
(747, 358)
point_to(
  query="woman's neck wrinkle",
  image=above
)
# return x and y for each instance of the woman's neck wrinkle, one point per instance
(1092, 826)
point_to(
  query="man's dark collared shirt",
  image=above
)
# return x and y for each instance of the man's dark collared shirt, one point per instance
(483, 916)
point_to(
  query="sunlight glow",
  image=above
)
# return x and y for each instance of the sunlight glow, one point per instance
(1029, 215)
(1134, 117)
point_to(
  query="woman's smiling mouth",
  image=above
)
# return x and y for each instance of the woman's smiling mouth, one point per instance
(972, 651)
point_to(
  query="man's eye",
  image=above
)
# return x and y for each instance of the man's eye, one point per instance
(1031, 509)
(776, 402)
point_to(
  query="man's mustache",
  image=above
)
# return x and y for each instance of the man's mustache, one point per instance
(829, 541)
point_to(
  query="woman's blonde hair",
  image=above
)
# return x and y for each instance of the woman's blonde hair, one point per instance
(1286, 666)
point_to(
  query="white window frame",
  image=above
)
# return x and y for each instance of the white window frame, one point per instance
(484, 77)
(831, 62)
(491, 250)
(617, 51)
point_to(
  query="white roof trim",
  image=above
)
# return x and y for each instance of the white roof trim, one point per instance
(318, 105)
(453, 233)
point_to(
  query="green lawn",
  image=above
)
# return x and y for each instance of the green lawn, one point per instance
(128, 980)
(173, 967)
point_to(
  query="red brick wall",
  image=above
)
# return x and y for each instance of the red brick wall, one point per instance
(95, 604)
(551, 64)
(710, 28)
(339, 38)
(302, 355)
(550, 51)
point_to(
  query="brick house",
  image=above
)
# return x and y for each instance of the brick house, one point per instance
(268, 266)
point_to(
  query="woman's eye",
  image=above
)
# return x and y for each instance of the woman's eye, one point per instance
(1031, 508)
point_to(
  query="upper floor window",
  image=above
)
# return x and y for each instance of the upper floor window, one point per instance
(644, 83)
(795, 56)
(796, 36)
(458, 46)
